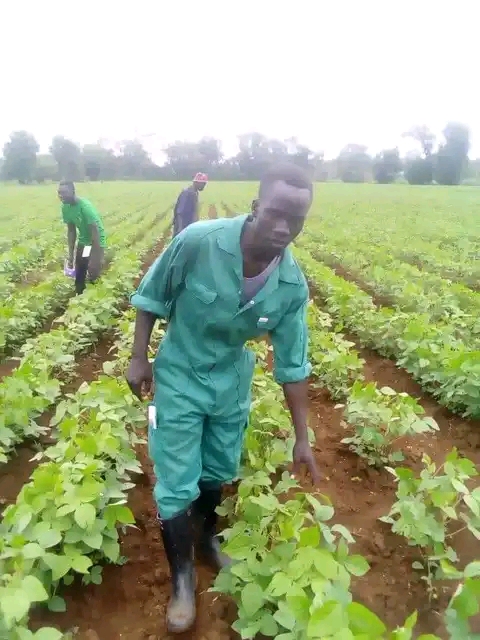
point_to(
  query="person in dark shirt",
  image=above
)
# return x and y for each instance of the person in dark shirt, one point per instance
(186, 207)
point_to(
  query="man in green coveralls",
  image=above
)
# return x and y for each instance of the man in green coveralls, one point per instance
(219, 283)
(79, 214)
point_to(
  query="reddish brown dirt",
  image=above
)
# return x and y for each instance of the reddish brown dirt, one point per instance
(228, 211)
(378, 299)
(131, 601)
(361, 495)
(7, 366)
(18, 469)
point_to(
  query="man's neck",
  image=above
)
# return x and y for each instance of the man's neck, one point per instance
(255, 258)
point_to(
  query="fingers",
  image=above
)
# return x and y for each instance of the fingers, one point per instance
(295, 469)
(136, 389)
(311, 467)
(314, 472)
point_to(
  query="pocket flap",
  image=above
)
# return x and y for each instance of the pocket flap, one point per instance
(201, 292)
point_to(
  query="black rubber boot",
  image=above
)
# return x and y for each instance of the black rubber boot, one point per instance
(206, 519)
(177, 536)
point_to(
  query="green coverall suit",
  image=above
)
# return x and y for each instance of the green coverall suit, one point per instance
(203, 371)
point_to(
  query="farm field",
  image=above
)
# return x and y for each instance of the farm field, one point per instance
(395, 344)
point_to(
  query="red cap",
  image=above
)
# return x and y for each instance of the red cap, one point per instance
(200, 177)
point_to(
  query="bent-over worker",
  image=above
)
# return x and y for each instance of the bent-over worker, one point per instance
(219, 283)
(186, 207)
(79, 214)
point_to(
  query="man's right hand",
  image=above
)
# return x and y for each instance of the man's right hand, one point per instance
(139, 374)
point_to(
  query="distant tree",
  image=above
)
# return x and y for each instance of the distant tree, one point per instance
(20, 156)
(257, 153)
(133, 160)
(386, 166)
(353, 163)
(424, 137)
(304, 156)
(419, 169)
(68, 157)
(210, 150)
(473, 171)
(184, 159)
(452, 157)
(99, 162)
(46, 168)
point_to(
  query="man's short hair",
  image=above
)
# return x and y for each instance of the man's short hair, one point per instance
(291, 174)
(67, 183)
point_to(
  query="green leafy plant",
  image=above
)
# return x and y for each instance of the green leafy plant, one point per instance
(289, 564)
(429, 506)
(380, 418)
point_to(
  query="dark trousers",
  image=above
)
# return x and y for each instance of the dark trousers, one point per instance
(84, 268)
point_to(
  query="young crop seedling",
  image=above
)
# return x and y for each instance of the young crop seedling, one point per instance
(291, 573)
(335, 365)
(432, 508)
(380, 418)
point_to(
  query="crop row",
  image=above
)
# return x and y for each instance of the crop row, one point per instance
(404, 285)
(25, 311)
(434, 357)
(66, 520)
(292, 568)
(47, 246)
(35, 384)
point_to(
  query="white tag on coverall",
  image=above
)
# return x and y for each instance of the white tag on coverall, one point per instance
(152, 416)
(86, 252)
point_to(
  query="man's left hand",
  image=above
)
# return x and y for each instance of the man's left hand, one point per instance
(303, 455)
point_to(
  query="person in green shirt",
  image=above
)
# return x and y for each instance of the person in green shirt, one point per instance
(80, 215)
(219, 284)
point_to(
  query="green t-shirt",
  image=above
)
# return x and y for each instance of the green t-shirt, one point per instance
(82, 214)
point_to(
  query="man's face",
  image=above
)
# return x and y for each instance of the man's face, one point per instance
(66, 194)
(199, 186)
(280, 216)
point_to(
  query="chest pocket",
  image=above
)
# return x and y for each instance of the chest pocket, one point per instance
(207, 312)
(198, 293)
(266, 317)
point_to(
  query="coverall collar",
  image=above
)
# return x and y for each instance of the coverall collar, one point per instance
(229, 241)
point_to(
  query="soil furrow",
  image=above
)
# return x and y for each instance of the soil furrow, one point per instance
(16, 472)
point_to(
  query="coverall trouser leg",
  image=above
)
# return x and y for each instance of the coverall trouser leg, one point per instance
(196, 440)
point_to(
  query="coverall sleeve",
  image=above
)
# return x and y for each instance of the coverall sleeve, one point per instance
(290, 342)
(162, 282)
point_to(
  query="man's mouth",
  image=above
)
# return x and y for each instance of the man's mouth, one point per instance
(277, 243)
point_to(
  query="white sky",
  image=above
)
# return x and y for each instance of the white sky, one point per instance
(327, 72)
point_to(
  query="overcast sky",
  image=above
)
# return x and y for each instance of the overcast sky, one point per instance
(327, 72)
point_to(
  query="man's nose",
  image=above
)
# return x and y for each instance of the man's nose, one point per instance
(281, 228)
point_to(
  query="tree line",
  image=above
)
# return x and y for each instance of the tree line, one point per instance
(443, 161)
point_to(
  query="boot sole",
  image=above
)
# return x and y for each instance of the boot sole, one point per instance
(177, 629)
(174, 628)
